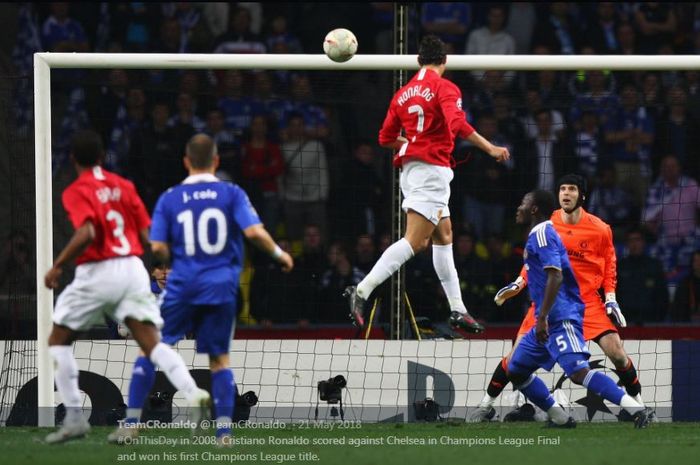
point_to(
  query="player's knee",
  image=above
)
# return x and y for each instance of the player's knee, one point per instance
(578, 376)
(419, 244)
(218, 362)
(518, 379)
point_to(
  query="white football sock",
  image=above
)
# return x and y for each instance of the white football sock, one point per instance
(66, 377)
(557, 414)
(487, 401)
(444, 264)
(171, 364)
(630, 404)
(391, 260)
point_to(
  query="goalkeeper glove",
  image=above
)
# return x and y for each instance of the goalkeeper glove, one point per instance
(613, 310)
(511, 290)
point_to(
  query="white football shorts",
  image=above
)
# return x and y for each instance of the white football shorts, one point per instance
(426, 189)
(117, 288)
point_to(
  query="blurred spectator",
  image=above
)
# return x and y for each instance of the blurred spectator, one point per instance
(17, 274)
(358, 195)
(500, 267)
(484, 181)
(601, 35)
(169, 37)
(61, 33)
(226, 142)
(588, 146)
(609, 202)
(656, 23)
(131, 117)
(533, 104)
(236, 105)
(341, 273)
(521, 25)
(508, 123)
(365, 253)
(315, 120)
(546, 158)
(279, 34)
(641, 284)
(652, 94)
(104, 102)
(216, 14)
(630, 133)
(678, 133)
(596, 97)
(185, 119)
(686, 301)
(274, 294)
(671, 210)
(627, 39)
(558, 31)
(305, 183)
(239, 38)
(262, 166)
(448, 20)
(133, 24)
(308, 269)
(491, 39)
(470, 269)
(195, 35)
(155, 156)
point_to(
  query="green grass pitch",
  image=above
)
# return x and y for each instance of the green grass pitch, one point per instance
(405, 444)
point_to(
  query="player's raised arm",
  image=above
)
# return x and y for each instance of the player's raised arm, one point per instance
(259, 236)
(81, 239)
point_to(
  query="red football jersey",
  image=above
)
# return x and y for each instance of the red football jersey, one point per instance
(111, 203)
(429, 109)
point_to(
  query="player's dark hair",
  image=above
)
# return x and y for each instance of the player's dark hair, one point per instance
(576, 180)
(86, 148)
(200, 151)
(431, 51)
(544, 201)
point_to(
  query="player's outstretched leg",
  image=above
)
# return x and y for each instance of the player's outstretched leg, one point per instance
(142, 378)
(499, 380)
(66, 376)
(357, 306)
(606, 388)
(172, 365)
(535, 389)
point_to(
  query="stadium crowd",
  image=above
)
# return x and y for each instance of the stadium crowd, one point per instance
(303, 144)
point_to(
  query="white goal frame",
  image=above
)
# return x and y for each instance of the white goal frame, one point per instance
(44, 62)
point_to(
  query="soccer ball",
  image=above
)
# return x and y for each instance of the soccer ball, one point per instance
(340, 45)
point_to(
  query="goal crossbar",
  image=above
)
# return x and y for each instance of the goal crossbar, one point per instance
(43, 62)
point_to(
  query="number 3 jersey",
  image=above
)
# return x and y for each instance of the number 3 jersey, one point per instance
(116, 211)
(203, 220)
(429, 109)
(543, 250)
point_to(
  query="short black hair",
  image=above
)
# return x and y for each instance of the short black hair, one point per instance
(544, 201)
(87, 148)
(200, 151)
(431, 51)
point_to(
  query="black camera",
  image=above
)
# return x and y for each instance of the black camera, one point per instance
(426, 410)
(331, 389)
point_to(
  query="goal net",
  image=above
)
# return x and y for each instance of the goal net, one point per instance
(324, 190)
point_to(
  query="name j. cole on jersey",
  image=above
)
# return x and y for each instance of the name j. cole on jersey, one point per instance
(199, 195)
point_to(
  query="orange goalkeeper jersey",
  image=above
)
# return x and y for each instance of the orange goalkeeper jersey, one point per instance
(591, 252)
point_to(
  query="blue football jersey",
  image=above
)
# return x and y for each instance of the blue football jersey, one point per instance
(203, 220)
(544, 249)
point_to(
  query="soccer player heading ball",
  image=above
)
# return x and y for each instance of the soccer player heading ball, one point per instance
(429, 110)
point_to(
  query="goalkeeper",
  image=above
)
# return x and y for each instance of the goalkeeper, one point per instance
(588, 241)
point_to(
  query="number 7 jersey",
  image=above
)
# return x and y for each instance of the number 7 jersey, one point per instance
(429, 109)
(203, 220)
(116, 211)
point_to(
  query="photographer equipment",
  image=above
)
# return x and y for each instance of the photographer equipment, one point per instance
(331, 391)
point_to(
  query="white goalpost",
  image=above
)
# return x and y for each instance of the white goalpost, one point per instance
(44, 62)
